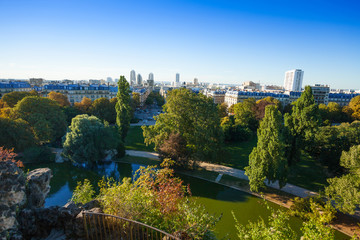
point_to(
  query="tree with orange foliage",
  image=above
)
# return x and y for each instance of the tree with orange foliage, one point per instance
(354, 105)
(84, 106)
(8, 155)
(60, 98)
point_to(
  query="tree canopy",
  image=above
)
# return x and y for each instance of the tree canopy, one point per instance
(195, 117)
(45, 116)
(345, 190)
(84, 106)
(104, 110)
(267, 160)
(245, 113)
(15, 134)
(354, 105)
(123, 108)
(301, 125)
(88, 138)
(60, 98)
(12, 98)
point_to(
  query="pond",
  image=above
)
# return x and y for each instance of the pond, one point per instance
(216, 198)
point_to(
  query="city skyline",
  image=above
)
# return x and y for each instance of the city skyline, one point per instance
(214, 41)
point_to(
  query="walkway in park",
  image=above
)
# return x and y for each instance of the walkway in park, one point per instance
(288, 188)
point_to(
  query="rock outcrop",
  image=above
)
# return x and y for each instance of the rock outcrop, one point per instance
(38, 187)
(12, 195)
(17, 192)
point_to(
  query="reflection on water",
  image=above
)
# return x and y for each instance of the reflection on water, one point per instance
(216, 198)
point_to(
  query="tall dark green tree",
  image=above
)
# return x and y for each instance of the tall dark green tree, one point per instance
(123, 108)
(267, 159)
(301, 125)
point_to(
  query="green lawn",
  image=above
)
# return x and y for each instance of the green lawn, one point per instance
(308, 174)
(139, 160)
(135, 140)
(237, 154)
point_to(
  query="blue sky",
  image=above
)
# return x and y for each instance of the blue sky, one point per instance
(215, 41)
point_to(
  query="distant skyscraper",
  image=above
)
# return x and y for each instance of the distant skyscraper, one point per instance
(109, 79)
(293, 80)
(151, 76)
(139, 80)
(196, 82)
(177, 79)
(132, 78)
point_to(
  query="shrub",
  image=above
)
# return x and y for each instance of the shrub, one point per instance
(83, 192)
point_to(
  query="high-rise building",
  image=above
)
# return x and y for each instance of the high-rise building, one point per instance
(109, 79)
(132, 78)
(293, 80)
(177, 79)
(151, 76)
(139, 80)
(196, 82)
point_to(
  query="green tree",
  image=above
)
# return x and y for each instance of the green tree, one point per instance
(12, 98)
(345, 190)
(123, 108)
(301, 125)
(15, 134)
(83, 193)
(277, 228)
(234, 132)
(45, 116)
(88, 138)
(195, 117)
(104, 110)
(245, 113)
(267, 160)
(315, 226)
(223, 110)
(136, 99)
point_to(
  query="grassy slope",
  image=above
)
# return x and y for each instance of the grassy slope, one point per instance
(135, 140)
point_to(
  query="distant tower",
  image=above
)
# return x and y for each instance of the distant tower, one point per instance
(196, 82)
(139, 80)
(109, 79)
(132, 78)
(151, 76)
(177, 79)
(293, 80)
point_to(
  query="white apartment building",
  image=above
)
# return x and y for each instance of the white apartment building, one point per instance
(293, 80)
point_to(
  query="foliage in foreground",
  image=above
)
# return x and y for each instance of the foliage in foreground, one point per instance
(157, 198)
(278, 227)
(83, 193)
(345, 190)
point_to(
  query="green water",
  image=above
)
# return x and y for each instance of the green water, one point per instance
(216, 198)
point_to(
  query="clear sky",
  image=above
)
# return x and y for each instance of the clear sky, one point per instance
(214, 40)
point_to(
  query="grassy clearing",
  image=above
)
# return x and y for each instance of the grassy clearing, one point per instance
(308, 174)
(135, 140)
(139, 160)
(237, 154)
